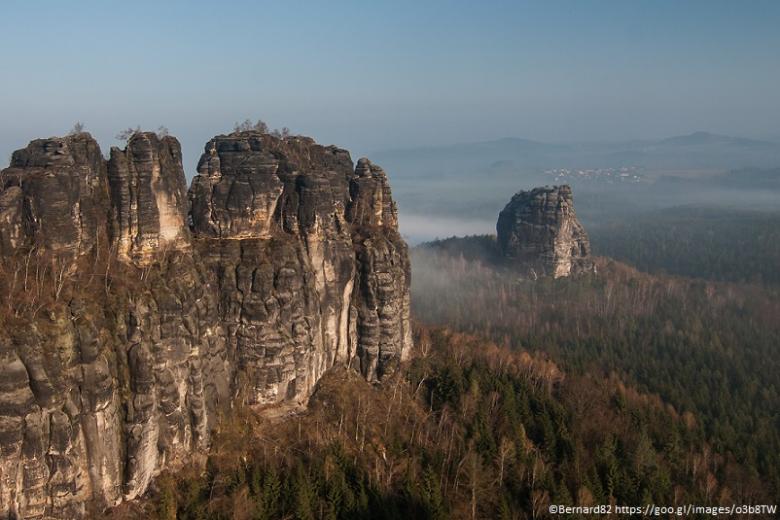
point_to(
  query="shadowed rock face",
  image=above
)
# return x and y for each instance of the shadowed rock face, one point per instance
(281, 262)
(61, 200)
(538, 230)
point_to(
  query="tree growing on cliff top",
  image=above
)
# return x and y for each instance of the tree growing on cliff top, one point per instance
(262, 127)
(247, 125)
(281, 134)
(77, 128)
(127, 133)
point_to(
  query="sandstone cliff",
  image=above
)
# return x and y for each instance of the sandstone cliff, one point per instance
(148, 197)
(54, 194)
(135, 313)
(538, 231)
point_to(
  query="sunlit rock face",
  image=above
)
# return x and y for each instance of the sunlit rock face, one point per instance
(382, 303)
(307, 257)
(12, 231)
(282, 261)
(538, 231)
(148, 197)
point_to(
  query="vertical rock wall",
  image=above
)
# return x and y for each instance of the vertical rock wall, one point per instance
(55, 195)
(281, 262)
(148, 197)
(538, 230)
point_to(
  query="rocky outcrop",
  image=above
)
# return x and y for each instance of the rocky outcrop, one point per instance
(384, 335)
(148, 197)
(55, 195)
(308, 260)
(538, 231)
(281, 262)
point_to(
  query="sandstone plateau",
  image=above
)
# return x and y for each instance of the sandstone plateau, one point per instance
(538, 232)
(137, 311)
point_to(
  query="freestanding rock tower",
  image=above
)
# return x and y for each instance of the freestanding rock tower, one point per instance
(539, 231)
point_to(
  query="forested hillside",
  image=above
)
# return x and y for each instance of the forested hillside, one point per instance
(708, 349)
(717, 244)
(618, 388)
(467, 430)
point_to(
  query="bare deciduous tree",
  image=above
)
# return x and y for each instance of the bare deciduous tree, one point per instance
(127, 133)
(248, 125)
(243, 127)
(280, 134)
(506, 451)
(260, 126)
(77, 128)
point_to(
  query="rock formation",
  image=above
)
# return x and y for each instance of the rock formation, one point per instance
(135, 314)
(59, 187)
(538, 231)
(148, 197)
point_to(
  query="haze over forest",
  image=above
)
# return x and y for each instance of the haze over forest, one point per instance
(458, 189)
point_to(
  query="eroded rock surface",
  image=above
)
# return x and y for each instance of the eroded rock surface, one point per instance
(538, 230)
(281, 262)
(148, 197)
(61, 200)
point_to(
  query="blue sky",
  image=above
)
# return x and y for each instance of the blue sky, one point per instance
(372, 75)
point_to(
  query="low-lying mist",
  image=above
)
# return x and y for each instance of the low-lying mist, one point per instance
(460, 189)
(443, 208)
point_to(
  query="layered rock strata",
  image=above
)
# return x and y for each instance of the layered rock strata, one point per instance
(54, 195)
(157, 309)
(538, 232)
(148, 197)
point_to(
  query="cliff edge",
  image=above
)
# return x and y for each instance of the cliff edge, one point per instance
(136, 311)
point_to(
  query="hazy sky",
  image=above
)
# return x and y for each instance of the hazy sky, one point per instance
(371, 75)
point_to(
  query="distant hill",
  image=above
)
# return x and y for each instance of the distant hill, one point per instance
(706, 138)
(446, 190)
(695, 151)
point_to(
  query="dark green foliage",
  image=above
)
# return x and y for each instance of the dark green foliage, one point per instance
(718, 244)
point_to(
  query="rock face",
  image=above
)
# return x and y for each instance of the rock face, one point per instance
(55, 195)
(308, 260)
(148, 197)
(538, 230)
(158, 309)
(11, 231)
